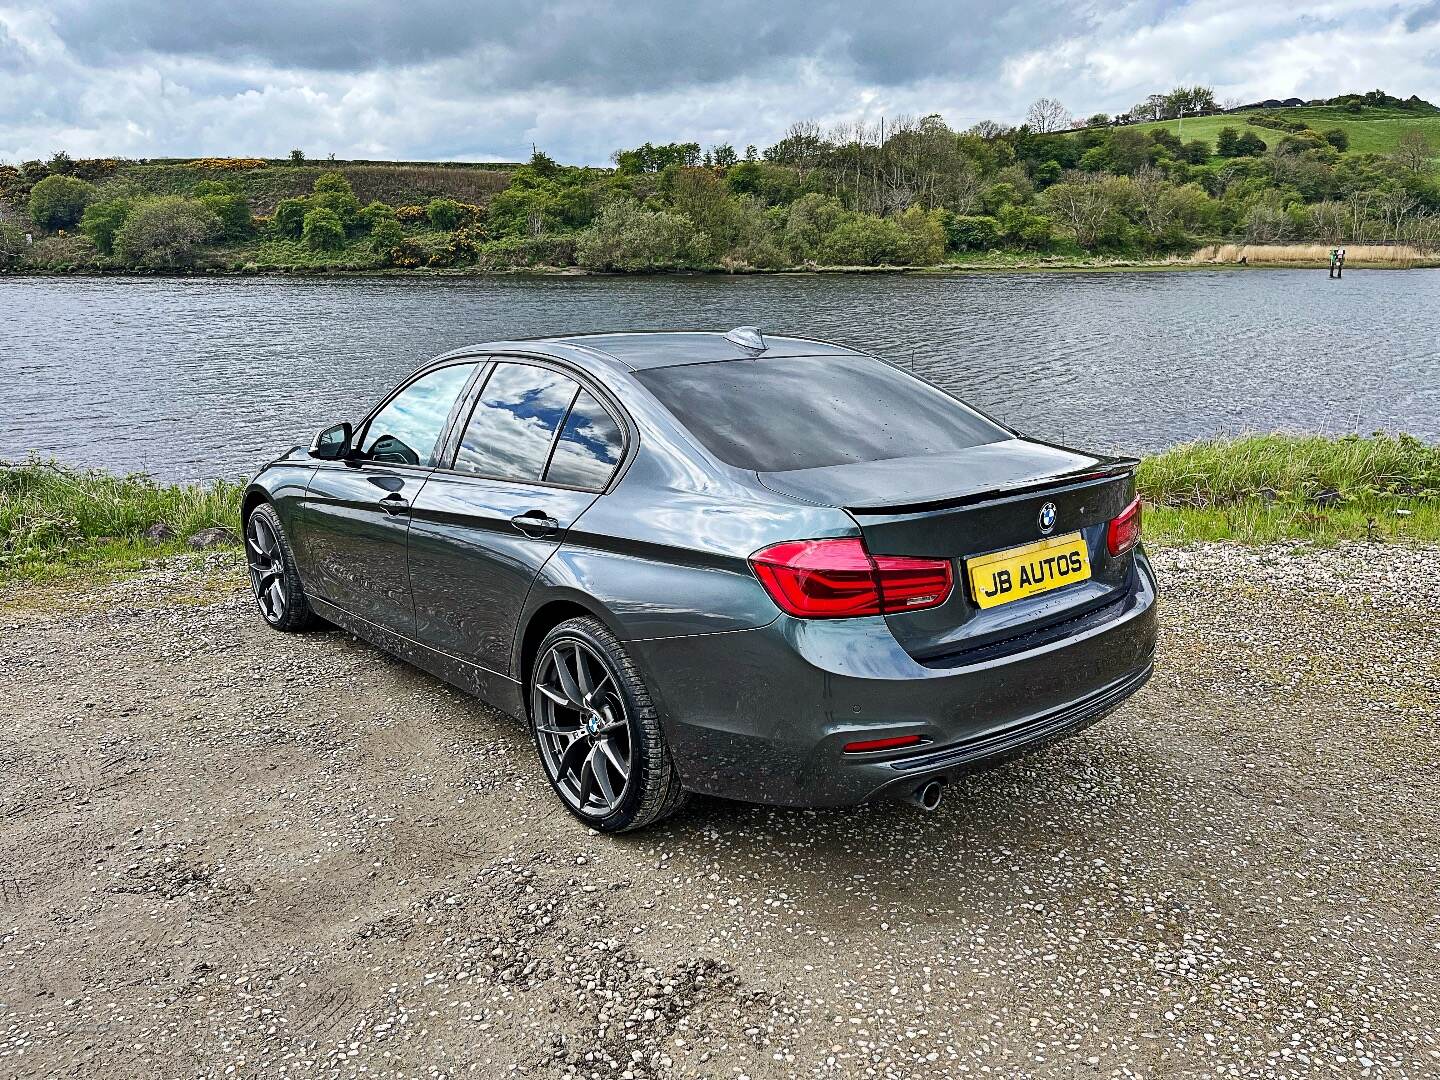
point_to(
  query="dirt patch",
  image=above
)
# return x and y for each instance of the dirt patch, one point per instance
(232, 852)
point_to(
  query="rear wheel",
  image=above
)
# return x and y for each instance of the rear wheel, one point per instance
(273, 577)
(597, 731)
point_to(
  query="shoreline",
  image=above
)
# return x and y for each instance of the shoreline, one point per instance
(1070, 264)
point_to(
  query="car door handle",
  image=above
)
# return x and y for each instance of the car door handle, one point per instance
(395, 503)
(535, 524)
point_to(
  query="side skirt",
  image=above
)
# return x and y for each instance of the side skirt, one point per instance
(499, 691)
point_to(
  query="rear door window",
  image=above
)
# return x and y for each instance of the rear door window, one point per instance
(406, 430)
(513, 426)
(589, 446)
(806, 412)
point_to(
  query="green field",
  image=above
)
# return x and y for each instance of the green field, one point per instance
(1374, 131)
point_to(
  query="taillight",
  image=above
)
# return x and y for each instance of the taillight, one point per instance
(1124, 531)
(835, 579)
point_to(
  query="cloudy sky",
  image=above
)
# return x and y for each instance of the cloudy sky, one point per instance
(475, 80)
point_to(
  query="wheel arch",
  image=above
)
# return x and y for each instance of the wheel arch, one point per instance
(253, 497)
(547, 615)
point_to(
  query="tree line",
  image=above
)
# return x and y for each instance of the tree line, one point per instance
(906, 191)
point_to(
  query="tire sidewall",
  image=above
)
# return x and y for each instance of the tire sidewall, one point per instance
(581, 630)
(297, 607)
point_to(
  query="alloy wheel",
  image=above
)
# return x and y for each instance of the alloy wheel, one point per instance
(267, 567)
(582, 727)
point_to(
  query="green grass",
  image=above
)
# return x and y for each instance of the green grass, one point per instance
(1374, 131)
(1264, 488)
(54, 519)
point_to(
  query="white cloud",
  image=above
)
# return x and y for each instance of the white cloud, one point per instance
(134, 78)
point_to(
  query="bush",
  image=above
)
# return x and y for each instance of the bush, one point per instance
(289, 218)
(971, 233)
(1225, 142)
(233, 212)
(385, 235)
(1337, 138)
(333, 193)
(102, 220)
(323, 230)
(57, 202)
(373, 213)
(12, 243)
(445, 214)
(864, 239)
(63, 252)
(167, 232)
(549, 250)
(626, 236)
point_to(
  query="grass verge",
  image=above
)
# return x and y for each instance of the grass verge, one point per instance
(56, 521)
(1263, 488)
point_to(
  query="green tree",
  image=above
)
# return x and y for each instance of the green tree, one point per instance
(1196, 152)
(1337, 138)
(807, 222)
(57, 202)
(166, 232)
(297, 156)
(103, 219)
(323, 230)
(1129, 150)
(653, 159)
(1225, 143)
(1249, 145)
(446, 215)
(60, 164)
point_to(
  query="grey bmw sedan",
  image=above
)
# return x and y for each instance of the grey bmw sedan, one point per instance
(765, 568)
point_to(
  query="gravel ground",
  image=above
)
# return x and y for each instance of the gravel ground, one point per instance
(228, 852)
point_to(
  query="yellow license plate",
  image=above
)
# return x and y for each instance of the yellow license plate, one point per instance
(1023, 571)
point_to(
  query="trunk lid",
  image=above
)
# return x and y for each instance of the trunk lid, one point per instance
(973, 502)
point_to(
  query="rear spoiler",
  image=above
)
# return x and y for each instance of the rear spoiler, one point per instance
(1107, 469)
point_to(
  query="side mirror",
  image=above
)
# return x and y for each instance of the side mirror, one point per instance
(332, 444)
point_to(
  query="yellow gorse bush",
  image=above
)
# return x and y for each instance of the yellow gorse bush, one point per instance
(230, 164)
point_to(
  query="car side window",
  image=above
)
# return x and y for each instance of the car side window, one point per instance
(406, 430)
(513, 425)
(589, 446)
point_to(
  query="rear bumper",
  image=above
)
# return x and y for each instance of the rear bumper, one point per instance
(763, 715)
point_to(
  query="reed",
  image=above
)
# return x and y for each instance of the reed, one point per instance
(1384, 256)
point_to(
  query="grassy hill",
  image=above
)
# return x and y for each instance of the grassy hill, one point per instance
(1373, 131)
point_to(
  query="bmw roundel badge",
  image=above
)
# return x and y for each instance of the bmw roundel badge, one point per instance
(1047, 519)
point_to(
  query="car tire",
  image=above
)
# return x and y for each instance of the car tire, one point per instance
(274, 581)
(573, 737)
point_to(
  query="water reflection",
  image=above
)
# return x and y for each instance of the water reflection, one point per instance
(197, 378)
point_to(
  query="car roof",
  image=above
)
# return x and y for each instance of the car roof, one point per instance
(639, 349)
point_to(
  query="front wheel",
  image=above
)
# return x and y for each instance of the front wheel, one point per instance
(273, 577)
(598, 732)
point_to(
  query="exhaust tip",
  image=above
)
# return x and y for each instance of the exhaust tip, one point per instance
(927, 795)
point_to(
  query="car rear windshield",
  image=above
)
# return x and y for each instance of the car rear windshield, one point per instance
(804, 412)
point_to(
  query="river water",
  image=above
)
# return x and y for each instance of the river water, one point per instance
(198, 378)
